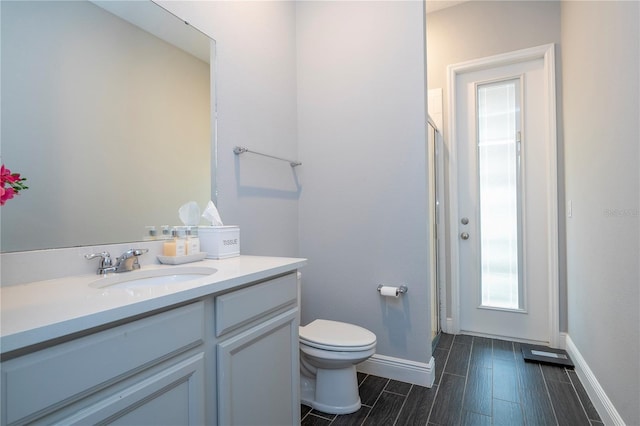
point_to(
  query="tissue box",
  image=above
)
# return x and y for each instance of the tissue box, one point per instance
(219, 242)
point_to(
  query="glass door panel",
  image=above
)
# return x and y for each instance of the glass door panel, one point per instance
(498, 145)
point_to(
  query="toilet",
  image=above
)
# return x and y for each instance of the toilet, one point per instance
(329, 352)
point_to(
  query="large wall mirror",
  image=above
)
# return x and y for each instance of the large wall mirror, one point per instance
(107, 110)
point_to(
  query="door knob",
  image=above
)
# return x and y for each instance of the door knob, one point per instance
(464, 221)
(464, 235)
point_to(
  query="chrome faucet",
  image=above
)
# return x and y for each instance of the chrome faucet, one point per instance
(126, 262)
(106, 263)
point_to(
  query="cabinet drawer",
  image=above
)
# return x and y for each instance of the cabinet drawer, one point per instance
(243, 306)
(51, 378)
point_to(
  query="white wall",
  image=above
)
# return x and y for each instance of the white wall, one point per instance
(601, 60)
(256, 102)
(362, 136)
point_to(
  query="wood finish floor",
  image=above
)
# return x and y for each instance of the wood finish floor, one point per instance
(480, 382)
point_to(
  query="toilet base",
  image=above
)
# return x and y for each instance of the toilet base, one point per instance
(333, 391)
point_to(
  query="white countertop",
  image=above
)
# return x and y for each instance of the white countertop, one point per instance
(36, 312)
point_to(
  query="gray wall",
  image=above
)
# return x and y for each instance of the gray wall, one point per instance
(601, 58)
(358, 71)
(256, 102)
(483, 28)
(362, 136)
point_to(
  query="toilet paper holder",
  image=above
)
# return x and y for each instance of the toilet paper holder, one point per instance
(399, 290)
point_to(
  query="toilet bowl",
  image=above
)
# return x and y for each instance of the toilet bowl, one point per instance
(329, 352)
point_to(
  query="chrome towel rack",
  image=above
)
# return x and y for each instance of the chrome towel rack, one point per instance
(241, 150)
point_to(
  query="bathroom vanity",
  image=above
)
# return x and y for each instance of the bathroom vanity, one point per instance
(218, 349)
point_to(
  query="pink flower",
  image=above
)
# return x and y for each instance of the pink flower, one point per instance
(4, 173)
(14, 182)
(7, 176)
(7, 194)
(14, 177)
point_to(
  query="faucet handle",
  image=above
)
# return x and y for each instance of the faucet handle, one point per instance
(105, 258)
(133, 253)
(136, 253)
(128, 261)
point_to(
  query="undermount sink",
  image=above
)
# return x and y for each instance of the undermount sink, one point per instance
(152, 277)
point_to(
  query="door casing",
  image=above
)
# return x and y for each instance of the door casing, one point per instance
(547, 54)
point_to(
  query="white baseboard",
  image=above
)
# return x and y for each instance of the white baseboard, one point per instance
(599, 398)
(404, 370)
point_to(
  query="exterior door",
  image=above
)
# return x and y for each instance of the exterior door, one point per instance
(506, 202)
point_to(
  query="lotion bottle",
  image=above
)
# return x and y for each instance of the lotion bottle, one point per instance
(193, 242)
(176, 246)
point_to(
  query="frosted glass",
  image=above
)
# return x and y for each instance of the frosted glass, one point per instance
(498, 169)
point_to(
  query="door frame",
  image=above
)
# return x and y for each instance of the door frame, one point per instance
(547, 54)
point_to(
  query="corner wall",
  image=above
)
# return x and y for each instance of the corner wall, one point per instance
(362, 136)
(601, 60)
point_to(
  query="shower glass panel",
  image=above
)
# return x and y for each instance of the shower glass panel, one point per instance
(498, 118)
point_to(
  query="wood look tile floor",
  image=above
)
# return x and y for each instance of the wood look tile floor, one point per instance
(479, 381)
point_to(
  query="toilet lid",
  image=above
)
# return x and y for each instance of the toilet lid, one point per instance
(335, 335)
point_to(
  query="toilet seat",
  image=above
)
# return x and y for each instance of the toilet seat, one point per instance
(336, 336)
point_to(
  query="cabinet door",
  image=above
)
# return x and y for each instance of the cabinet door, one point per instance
(172, 397)
(258, 374)
(42, 382)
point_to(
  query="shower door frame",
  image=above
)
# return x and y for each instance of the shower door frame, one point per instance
(547, 54)
(437, 226)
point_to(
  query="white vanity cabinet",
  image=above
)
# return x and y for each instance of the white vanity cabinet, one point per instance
(150, 370)
(257, 354)
(227, 358)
